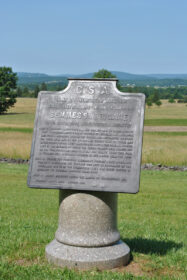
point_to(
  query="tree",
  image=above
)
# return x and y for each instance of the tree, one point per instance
(171, 100)
(60, 87)
(26, 91)
(149, 103)
(183, 100)
(19, 92)
(8, 95)
(36, 90)
(105, 74)
(158, 103)
(43, 86)
(155, 97)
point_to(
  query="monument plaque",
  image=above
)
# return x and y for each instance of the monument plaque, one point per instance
(88, 137)
(87, 142)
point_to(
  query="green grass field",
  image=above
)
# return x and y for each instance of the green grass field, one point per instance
(152, 223)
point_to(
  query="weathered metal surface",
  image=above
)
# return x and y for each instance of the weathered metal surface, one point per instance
(88, 137)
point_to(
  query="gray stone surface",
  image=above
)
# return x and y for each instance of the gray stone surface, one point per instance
(107, 257)
(87, 219)
(87, 235)
(88, 137)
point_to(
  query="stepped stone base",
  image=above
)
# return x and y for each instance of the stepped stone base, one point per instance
(86, 258)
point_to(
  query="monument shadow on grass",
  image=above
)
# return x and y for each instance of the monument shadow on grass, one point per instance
(151, 246)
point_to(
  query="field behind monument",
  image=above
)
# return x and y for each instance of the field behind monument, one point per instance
(164, 143)
(152, 223)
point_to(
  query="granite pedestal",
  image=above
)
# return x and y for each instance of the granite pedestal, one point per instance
(87, 235)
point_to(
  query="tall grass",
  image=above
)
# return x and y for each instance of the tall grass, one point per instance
(170, 149)
(167, 148)
(167, 111)
(15, 144)
(22, 115)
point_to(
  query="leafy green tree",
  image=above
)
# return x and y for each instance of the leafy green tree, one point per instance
(43, 86)
(158, 103)
(59, 87)
(36, 90)
(155, 97)
(171, 100)
(19, 92)
(185, 99)
(105, 74)
(149, 103)
(26, 91)
(8, 81)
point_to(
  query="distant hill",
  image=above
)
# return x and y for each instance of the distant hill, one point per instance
(32, 79)
(129, 76)
(85, 76)
(168, 76)
(30, 75)
(118, 74)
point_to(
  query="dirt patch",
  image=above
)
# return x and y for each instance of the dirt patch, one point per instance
(165, 128)
(25, 262)
(141, 267)
(173, 273)
(134, 268)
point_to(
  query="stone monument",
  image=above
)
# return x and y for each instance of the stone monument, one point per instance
(87, 143)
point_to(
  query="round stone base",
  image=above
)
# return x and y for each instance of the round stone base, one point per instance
(86, 258)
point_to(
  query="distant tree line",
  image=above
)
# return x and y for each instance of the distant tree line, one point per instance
(164, 93)
(153, 95)
(156, 82)
(9, 89)
(28, 91)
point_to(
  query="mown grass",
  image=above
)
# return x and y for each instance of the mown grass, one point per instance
(166, 122)
(16, 129)
(166, 133)
(151, 222)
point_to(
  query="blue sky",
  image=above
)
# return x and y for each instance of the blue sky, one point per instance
(80, 36)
